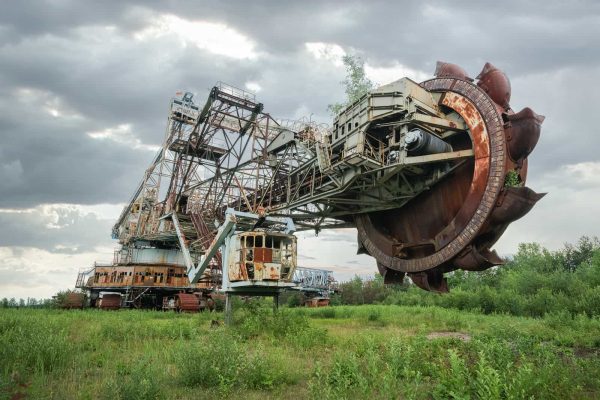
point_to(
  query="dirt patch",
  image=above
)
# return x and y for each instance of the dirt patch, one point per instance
(465, 337)
(583, 352)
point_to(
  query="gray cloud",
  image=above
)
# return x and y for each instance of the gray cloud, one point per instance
(56, 229)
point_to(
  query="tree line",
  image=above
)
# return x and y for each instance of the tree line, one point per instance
(534, 282)
(29, 302)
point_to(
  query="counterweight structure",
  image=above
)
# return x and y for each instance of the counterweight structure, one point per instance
(430, 174)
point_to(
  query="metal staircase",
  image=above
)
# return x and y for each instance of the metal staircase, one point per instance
(204, 234)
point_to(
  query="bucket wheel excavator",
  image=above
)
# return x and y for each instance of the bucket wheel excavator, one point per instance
(430, 175)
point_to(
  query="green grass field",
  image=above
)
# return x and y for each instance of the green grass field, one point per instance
(374, 351)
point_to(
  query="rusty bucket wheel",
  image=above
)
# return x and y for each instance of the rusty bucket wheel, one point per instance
(439, 224)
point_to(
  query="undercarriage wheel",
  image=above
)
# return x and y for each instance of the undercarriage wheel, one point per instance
(187, 302)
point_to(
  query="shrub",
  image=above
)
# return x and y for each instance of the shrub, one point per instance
(141, 383)
(534, 282)
(223, 362)
(213, 362)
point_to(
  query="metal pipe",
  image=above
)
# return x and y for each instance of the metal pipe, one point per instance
(419, 141)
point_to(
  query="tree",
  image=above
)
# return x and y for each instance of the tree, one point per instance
(356, 83)
(352, 291)
(295, 300)
(574, 256)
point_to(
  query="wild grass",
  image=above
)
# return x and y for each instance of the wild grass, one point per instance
(372, 351)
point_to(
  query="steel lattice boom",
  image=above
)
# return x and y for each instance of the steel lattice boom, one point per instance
(420, 170)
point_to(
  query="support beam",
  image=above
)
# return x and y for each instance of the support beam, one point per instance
(288, 222)
(437, 122)
(228, 310)
(225, 230)
(429, 158)
(275, 302)
(184, 250)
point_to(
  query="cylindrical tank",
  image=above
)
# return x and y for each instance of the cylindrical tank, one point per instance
(420, 142)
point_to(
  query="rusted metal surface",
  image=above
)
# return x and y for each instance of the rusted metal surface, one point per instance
(432, 280)
(316, 302)
(522, 133)
(74, 300)
(472, 259)
(514, 203)
(187, 302)
(496, 84)
(140, 276)
(109, 301)
(262, 257)
(390, 276)
(449, 70)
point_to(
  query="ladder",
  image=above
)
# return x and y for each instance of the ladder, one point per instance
(205, 235)
(323, 151)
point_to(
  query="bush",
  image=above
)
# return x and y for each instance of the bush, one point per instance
(222, 362)
(214, 362)
(534, 282)
(140, 383)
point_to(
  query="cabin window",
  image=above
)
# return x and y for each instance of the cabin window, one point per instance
(269, 242)
(258, 241)
(249, 241)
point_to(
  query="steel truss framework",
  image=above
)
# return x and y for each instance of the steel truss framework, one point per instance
(230, 154)
(419, 169)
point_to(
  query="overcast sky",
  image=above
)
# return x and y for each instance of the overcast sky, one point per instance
(85, 87)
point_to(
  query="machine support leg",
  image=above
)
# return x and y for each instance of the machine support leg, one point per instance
(275, 302)
(227, 309)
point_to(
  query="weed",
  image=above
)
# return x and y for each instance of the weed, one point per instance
(212, 363)
(454, 384)
(139, 355)
(374, 315)
(141, 383)
(326, 312)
